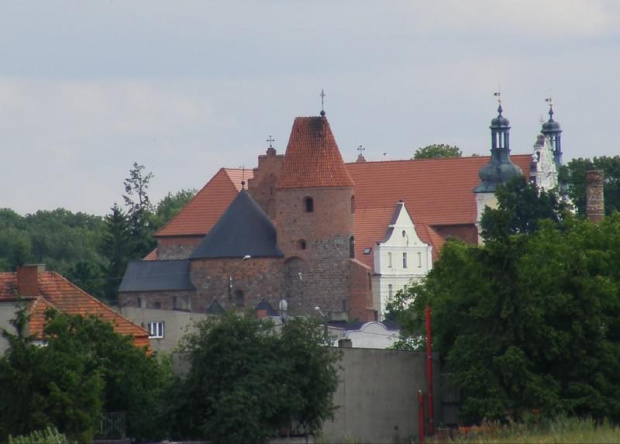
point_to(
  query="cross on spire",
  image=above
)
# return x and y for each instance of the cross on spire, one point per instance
(361, 150)
(322, 102)
(243, 177)
(270, 140)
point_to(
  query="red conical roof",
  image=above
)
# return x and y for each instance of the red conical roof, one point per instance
(312, 157)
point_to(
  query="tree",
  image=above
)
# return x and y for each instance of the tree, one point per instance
(520, 208)
(139, 211)
(116, 249)
(84, 368)
(574, 174)
(437, 151)
(529, 321)
(246, 380)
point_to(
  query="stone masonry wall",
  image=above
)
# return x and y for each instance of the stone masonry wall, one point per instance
(165, 300)
(176, 248)
(224, 278)
(262, 186)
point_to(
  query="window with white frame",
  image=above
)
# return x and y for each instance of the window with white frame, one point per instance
(156, 330)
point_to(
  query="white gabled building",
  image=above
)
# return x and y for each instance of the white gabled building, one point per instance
(399, 258)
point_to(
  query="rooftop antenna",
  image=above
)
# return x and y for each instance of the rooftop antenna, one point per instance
(322, 102)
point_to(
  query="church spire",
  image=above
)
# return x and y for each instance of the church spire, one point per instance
(552, 130)
(500, 168)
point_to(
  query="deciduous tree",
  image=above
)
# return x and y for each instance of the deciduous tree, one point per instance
(437, 151)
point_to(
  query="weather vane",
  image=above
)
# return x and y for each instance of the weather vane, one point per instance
(270, 140)
(498, 94)
(322, 102)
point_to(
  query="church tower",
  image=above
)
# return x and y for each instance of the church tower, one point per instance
(551, 129)
(315, 206)
(500, 168)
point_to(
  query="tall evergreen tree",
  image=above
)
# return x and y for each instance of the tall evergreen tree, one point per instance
(116, 249)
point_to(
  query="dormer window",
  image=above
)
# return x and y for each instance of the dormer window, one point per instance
(308, 204)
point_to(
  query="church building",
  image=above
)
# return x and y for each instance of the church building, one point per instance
(306, 233)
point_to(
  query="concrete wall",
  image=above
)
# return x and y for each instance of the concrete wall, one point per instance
(7, 312)
(177, 323)
(377, 396)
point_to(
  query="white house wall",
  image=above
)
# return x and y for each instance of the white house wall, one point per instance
(391, 272)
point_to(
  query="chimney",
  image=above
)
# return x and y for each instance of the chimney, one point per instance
(595, 202)
(28, 279)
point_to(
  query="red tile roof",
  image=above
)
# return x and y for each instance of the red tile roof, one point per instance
(59, 293)
(435, 191)
(312, 157)
(203, 211)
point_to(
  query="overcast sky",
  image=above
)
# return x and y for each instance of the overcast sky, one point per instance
(186, 87)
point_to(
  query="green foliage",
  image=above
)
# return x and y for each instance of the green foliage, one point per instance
(139, 211)
(530, 321)
(84, 368)
(246, 380)
(48, 436)
(437, 151)
(520, 208)
(55, 385)
(575, 175)
(115, 247)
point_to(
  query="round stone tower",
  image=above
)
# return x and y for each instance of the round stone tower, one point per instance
(315, 205)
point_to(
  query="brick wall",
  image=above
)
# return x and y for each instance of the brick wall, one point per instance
(165, 300)
(262, 186)
(175, 248)
(257, 278)
(360, 304)
(467, 233)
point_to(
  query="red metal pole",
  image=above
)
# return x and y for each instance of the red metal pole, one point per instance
(420, 416)
(429, 371)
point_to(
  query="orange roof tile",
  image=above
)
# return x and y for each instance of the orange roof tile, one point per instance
(152, 256)
(435, 191)
(203, 211)
(69, 298)
(312, 157)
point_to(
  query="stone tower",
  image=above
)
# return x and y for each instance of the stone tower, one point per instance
(315, 205)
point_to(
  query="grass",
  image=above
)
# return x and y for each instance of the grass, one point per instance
(560, 431)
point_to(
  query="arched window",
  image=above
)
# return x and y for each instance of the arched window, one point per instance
(352, 247)
(352, 204)
(308, 204)
(404, 260)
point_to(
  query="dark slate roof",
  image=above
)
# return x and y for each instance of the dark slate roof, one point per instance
(215, 308)
(156, 276)
(264, 305)
(244, 229)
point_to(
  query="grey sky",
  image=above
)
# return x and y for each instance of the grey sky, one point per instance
(185, 87)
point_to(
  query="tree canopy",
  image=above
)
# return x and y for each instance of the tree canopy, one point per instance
(529, 320)
(574, 174)
(83, 369)
(436, 151)
(246, 380)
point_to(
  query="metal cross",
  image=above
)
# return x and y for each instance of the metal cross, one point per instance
(361, 149)
(270, 140)
(322, 102)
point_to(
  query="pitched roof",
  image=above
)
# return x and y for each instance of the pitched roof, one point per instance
(435, 191)
(244, 229)
(57, 291)
(312, 157)
(371, 225)
(150, 275)
(203, 211)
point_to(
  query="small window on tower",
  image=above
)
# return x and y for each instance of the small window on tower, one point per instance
(352, 204)
(302, 244)
(309, 204)
(351, 247)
